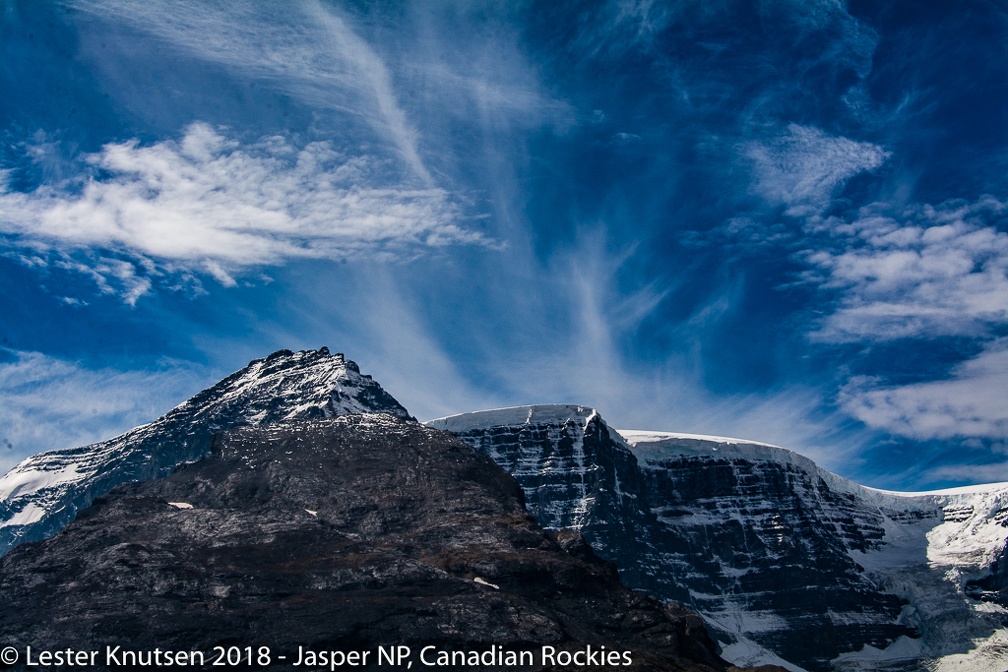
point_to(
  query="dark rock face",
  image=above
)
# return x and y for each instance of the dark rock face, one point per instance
(773, 541)
(575, 472)
(45, 492)
(761, 548)
(348, 533)
(994, 586)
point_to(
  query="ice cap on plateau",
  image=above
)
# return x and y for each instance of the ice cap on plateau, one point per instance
(514, 415)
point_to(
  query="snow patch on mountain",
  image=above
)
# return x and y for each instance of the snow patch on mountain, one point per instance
(44, 492)
(29, 478)
(744, 652)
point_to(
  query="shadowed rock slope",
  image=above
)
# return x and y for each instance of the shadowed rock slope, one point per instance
(352, 532)
(45, 492)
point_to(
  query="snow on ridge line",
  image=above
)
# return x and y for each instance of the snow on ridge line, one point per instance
(513, 415)
(643, 436)
(976, 489)
(321, 378)
(651, 446)
(329, 366)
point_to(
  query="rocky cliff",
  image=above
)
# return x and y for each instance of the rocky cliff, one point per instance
(787, 562)
(346, 534)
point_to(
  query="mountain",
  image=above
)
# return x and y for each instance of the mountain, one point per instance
(926, 549)
(576, 472)
(341, 534)
(44, 492)
(786, 561)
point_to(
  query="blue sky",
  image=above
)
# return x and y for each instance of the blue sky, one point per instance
(785, 221)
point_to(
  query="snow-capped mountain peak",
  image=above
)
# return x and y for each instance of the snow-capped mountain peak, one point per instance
(44, 492)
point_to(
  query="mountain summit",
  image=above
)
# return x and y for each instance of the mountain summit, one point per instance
(44, 492)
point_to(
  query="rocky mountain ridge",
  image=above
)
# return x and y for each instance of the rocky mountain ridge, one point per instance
(44, 492)
(343, 534)
(787, 562)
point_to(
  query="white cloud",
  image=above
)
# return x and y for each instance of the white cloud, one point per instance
(50, 403)
(966, 473)
(925, 273)
(971, 403)
(305, 49)
(802, 168)
(934, 272)
(208, 204)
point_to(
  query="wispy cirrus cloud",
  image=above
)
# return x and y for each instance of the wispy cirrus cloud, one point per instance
(306, 49)
(562, 334)
(802, 168)
(50, 403)
(208, 204)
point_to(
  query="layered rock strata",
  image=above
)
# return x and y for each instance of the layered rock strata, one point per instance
(346, 534)
(786, 561)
